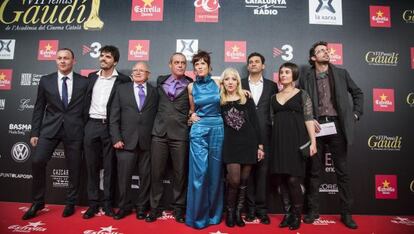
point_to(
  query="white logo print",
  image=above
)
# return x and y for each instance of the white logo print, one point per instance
(20, 152)
(104, 230)
(205, 5)
(31, 227)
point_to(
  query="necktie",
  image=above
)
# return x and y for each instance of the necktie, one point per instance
(65, 99)
(141, 95)
(171, 89)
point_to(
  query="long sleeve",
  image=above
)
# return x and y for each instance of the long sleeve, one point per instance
(357, 95)
(39, 109)
(115, 118)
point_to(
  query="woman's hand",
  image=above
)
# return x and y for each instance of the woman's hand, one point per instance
(260, 154)
(194, 118)
(313, 149)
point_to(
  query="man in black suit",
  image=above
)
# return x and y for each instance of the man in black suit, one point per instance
(58, 117)
(97, 141)
(170, 138)
(132, 117)
(329, 88)
(262, 90)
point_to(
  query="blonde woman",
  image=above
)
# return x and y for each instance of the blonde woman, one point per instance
(242, 144)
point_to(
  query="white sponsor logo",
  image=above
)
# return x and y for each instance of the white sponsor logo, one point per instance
(401, 220)
(2, 104)
(188, 47)
(19, 129)
(60, 178)
(323, 222)
(25, 104)
(205, 4)
(20, 152)
(7, 48)
(135, 182)
(28, 79)
(285, 52)
(329, 164)
(15, 176)
(92, 49)
(30, 227)
(104, 230)
(58, 153)
(266, 7)
(328, 188)
(325, 12)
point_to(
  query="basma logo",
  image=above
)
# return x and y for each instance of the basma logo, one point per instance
(20, 152)
(19, 129)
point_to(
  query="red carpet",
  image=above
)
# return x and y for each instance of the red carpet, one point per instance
(49, 220)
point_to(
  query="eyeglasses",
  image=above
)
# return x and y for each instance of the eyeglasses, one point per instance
(135, 72)
(322, 51)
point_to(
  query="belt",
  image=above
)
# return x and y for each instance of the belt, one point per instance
(103, 121)
(327, 118)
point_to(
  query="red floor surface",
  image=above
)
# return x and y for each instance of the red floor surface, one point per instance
(49, 220)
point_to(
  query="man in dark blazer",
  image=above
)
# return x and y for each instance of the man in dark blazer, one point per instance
(329, 88)
(262, 90)
(170, 138)
(97, 141)
(132, 116)
(58, 117)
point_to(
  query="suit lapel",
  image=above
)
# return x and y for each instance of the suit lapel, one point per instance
(148, 96)
(265, 91)
(75, 90)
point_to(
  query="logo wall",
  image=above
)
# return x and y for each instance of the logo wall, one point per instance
(7, 48)
(383, 100)
(47, 49)
(5, 79)
(235, 51)
(147, 10)
(386, 187)
(138, 50)
(380, 16)
(269, 7)
(206, 11)
(20, 152)
(188, 47)
(325, 12)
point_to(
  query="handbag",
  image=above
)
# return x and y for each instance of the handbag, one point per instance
(305, 150)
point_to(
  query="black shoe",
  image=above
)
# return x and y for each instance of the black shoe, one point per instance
(239, 219)
(264, 218)
(310, 217)
(90, 212)
(31, 213)
(68, 211)
(348, 221)
(141, 214)
(250, 216)
(121, 214)
(295, 223)
(108, 211)
(287, 219)
(179, 215)
(230, 217)
(152, 216)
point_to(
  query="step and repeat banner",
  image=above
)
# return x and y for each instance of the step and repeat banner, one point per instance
(372, 39)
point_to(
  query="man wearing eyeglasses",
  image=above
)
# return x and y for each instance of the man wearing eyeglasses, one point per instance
(97, 141)
(329, 88)
(132, 116)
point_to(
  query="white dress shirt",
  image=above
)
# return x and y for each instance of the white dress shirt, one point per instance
(100, 95)
(69, 84)
(136, 90)
(256, 89)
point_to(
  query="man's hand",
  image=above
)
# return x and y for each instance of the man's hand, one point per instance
(119, 145)
(33, 141)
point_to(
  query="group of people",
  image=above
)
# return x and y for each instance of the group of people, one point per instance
(243, 130)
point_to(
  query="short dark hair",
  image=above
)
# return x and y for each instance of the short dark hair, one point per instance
(262, 58)
(293, 67)
(177, 53)
(111, 49)
(312, 51)
(202, 55)
(67, 49)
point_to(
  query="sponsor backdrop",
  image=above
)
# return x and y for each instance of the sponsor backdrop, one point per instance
(373, 40)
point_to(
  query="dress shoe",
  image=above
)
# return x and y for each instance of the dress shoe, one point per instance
(141, 214)
(250, 216)
(287, 219)
(295, 223)
(90, 212)
(310, 217)
(108, 211)
(179, 215)
(264, 218)
(348, 221)
(121, 214)
(68, 211)
(152, 216)
(31, 213)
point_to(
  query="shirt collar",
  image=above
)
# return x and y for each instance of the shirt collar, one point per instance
(260, 80)
(136, 85)
(114, 74)
(69, 76)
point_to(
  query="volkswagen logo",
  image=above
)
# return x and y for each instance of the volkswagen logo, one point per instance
(20, 152)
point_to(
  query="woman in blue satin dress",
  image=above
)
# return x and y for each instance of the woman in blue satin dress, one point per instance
(205, 179)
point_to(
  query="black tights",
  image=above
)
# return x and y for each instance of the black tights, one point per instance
(291, 192)
(237, 175)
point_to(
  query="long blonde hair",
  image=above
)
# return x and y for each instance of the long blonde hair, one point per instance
(223, 92)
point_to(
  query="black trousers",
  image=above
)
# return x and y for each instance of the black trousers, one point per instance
(161, 149)
(43, 153)
(99, 152)
(338, 148)
(127, 161)
(257, 187)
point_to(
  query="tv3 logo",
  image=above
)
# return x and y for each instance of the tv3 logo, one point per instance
(92, 50)
(285, 52)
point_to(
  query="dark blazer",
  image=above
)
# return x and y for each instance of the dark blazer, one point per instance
(172, 116)
(49, 113)
(263, 108)
(127, 122)
(342, 85)
(92, 77)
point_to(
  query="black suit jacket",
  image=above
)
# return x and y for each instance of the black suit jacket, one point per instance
(342, 85)
(172, 116)
(92, 77)
(49, 113)
(127, 122)
(263, 108)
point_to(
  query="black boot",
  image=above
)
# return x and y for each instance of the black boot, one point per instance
(295, 223)
(230, 217)
(240, 204)
(287, 218)
(231, 196)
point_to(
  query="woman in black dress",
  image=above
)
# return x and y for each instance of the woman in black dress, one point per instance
(291, 111)
(242, 145)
